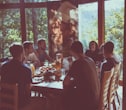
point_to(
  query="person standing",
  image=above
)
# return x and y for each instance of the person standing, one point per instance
(81, 85)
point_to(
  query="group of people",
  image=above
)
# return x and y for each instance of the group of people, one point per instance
(95, 52)
(16, 70)
(81, 84)
(36, 56)
(103, 56)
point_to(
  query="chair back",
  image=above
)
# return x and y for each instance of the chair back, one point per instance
(114, 84)
(117, 73)
(8, 96)
(103, 104)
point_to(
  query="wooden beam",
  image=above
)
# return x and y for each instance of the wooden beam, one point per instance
(23, 22)
(101, 23)
(9, 6)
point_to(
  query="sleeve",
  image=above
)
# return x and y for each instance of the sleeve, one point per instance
(33, 57)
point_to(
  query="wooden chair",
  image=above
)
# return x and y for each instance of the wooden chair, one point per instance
(103, 104)
(8, 96)
(117, 72)
(112, 93)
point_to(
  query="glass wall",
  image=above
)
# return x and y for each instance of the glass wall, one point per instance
(88, 23)
(114, 29)
(36, 23)
(62, 27)
(9, 29)
(114, 24)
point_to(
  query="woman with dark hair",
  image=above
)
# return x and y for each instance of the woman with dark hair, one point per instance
(93, 51)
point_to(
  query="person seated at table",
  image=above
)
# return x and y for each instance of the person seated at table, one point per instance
(41, 51)
(81, 85)
(14, 71)
(30, 56)
(93, 52)
(110, 59)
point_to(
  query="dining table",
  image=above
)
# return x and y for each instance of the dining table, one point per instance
(44, 88)
(47, 81)
(50, 89)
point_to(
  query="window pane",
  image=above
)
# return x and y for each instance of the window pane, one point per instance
(114, 24)
(9, 29)
(36, 23)
(62, 28)
(9, 1)
(88, 23)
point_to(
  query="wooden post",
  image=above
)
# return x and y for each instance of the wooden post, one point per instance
(101, 23)
(23, 22)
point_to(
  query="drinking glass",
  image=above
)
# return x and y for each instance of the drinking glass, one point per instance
(32, 69)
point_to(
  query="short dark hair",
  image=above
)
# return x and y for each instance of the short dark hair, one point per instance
(77, 47)
(26, 44)
(108, 47)
(16, 50)
(41, 40)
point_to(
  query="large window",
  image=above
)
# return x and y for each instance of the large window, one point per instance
(88, 23)
(114, 29)
(32, 22)
(36, 23)
(9, 29)
(114, 24)
(19, 23)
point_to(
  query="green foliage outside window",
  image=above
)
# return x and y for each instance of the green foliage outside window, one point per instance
(114, 30)
(37, 27)
(9, 30)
